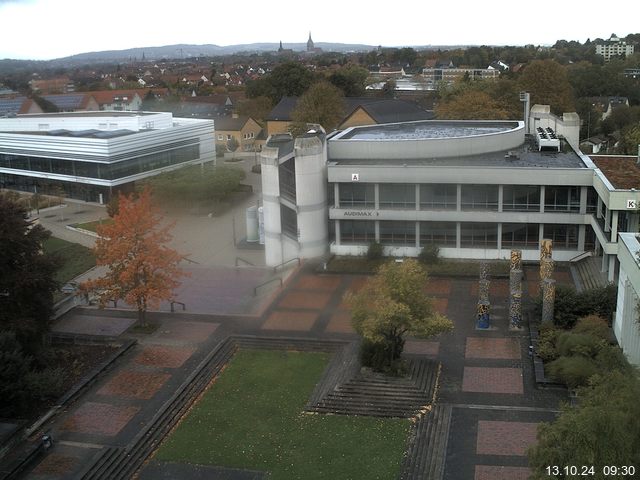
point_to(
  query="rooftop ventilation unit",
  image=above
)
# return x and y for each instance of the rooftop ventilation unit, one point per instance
(547, 139)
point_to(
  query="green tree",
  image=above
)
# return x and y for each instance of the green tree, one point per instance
(351, 80)
(603, 429)
(548, 83)
(257, 108)
(323, 103)
(27, 281)
(389, 89)
(391, 305)
(630, 141)
(289, 79)
(471, 105)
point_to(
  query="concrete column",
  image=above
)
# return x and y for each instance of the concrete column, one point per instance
(605, 261)
(458, 235)
(583, 200)
(459, 197)
(607, 220)
(417, 234)
(614, 226)
(377, 225)
(612, 268)
(582, 234)
(542, 190)
(500, 235)
(311, 196)
(376, 196)
(500, 201)
(599, 208)
(417, 196)
(540, 233)
(336, 195)
(337, 229)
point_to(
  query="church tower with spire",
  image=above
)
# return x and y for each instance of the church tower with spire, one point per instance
(310, 46)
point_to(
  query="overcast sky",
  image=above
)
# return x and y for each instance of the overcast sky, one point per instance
(46, 29)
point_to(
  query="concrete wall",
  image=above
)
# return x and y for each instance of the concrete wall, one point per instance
(354, 148)
(625, 326)
(568, 126)
(311, 196)
(79, 121)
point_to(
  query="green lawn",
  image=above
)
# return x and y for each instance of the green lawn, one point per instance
(252, 417)
(75, 258)
(92, 226)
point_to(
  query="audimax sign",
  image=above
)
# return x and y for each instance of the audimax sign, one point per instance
(361, 213)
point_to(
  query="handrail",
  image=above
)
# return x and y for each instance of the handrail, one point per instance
(244, 261)
(189, 260)
(580, 256)
(255, 289)
(297, 259)
(173, 302)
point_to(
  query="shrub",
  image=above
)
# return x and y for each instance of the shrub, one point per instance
(575, 371)
(375, 251)
(376, 355)
(611, 358)
(593, 325)
(45, 384)
(429, 255)
(600, 301)
(548, 336)
(583, 344)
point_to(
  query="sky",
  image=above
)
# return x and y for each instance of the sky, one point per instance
(47, 29)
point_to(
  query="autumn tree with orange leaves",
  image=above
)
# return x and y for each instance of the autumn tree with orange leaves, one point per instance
(142, 269)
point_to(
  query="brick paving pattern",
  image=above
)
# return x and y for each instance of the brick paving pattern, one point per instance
(312, 282)
(304, 299)
(55, 464)
(505, 438)
(493, 472)
(421, 347)
(492, 380)
(194, 332)
(340, 322)
(497, 288)
(290, 320)
(164, 357)
(140, 385)
(498, 348)
(438, 287)
(440, 304)
(99, 418)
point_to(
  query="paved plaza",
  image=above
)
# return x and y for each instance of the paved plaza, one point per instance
(486, 377)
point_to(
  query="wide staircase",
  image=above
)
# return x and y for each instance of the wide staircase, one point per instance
(587, 273)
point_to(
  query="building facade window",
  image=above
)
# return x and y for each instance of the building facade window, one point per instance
(480, 197)
(398, 232)
(564, 237)
(521, 198)
(357, 195)
(562, 199)
(522, 235)
(438, 196)
(357, 232)
(442, 234)
(589, 238)
(287, 178)
(479, 235)
(592, 200)
(398, 195)
(289, 221)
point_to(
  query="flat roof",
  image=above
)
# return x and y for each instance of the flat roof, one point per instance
(101, 113)
(622, 171)
(90, 133)
(429, 129)
(526, 156)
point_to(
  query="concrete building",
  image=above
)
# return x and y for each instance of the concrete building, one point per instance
(476, 189)
(613, 47)
(625, 325)
(92, 154)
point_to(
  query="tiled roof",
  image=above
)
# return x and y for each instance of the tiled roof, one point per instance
(622, 171)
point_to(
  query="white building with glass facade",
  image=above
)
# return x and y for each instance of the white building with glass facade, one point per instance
(90, 154)
(476, 189)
